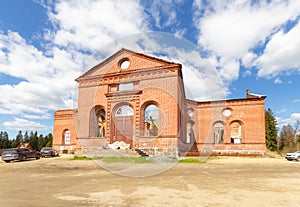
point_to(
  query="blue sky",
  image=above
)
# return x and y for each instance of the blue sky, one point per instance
(44, 46)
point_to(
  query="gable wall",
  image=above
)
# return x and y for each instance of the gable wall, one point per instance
(160, 84)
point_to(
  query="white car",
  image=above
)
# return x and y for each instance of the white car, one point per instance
(293, 156)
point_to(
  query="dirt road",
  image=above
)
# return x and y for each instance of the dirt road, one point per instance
(220, 182)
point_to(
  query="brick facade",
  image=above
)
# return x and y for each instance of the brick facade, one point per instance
(140, 100)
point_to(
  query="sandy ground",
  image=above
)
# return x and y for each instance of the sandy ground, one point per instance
(223, 182)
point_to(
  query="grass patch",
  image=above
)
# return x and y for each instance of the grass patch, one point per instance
(201, 160)
(81, 158)
(190, 160)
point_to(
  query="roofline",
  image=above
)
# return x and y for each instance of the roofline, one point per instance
(119, 52)
(228, 100)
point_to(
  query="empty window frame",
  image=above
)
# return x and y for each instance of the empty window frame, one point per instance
(67, 137)
(125, 86)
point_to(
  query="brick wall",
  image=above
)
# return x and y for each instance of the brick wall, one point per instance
(65, 120)
(157, 82)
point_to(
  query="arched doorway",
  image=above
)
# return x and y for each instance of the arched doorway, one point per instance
(122, 129)
(218, 129)
(97, 122)
(101, 125)
(190, 135)
(236, 132)
(151, 120)
(66, 139)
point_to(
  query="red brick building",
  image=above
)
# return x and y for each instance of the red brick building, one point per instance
(139, 99)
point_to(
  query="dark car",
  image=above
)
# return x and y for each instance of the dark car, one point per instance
(49, 152)
(20, 154)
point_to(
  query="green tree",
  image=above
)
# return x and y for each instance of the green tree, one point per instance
(49, 139)
(287, 138)
(271, 130)
(297, 134)
(33, 140)
(6, 141)
(26, 137)
(41, 141)
(1, 140)
(19, 138)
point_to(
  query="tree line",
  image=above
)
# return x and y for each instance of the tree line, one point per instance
(37, 142)
(288, 138)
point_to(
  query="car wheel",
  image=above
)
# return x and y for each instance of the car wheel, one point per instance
(7, 161)
(298, 158)
(37, 156)
(24, 158)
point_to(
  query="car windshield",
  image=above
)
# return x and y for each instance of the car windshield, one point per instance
(12, 150)
(47, 148)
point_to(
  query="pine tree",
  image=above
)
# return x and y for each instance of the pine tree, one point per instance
(49, 139)
(271, 130)
(26, 137)
(33, 140)
(19, 137)
(6, 141)
(1, 140)
(40, 142)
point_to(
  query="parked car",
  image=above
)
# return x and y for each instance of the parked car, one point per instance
(293, 156)
(20, 154)
(49, 152)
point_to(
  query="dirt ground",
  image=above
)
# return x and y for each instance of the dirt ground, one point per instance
(222, 182)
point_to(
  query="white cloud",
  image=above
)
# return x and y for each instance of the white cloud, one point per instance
(277, 81)
(165, 13)
(232, 29)
(89, 25)
(201, 80)
(229, 69)
(296, 101)
(24, 124)
(281, 111)
(290, 120)
(49, 73)
(48, 80)
(180, 32)
(248, 59)
(228, 31)
(281, 53)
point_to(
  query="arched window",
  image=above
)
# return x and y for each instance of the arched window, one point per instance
(190, 135)
(236, 132)
(124, 110)
(67, 137)
(101, 125)
(151, 120)
(218, 130)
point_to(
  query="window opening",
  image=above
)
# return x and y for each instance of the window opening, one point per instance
(236, 133)
(67, 137)
(124, 110)
(125, 86)
(151, 120)
(218, 133)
